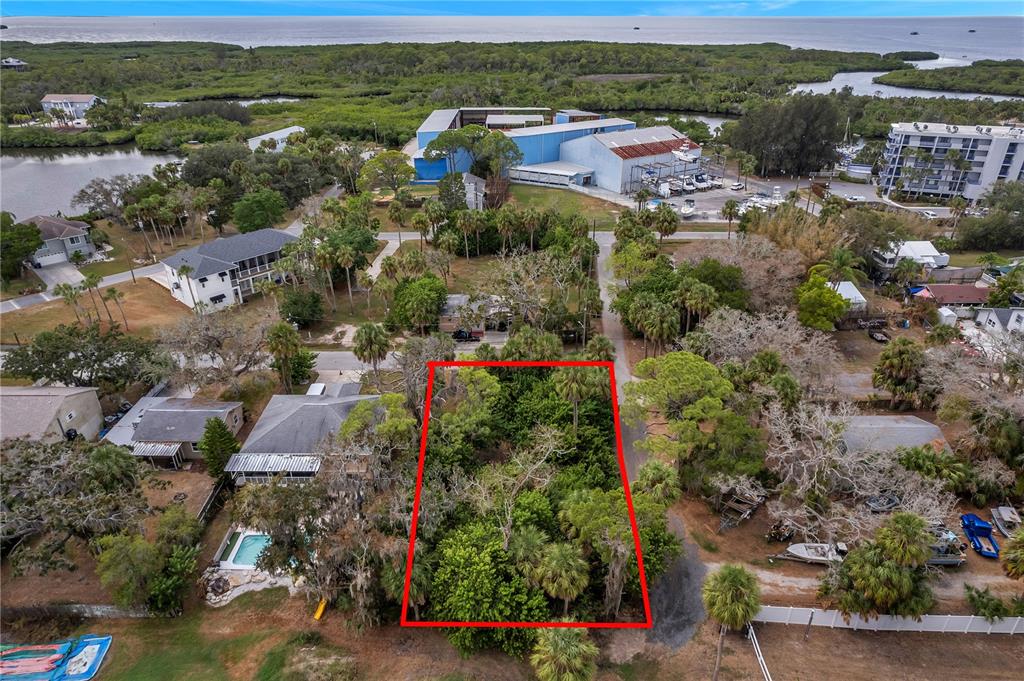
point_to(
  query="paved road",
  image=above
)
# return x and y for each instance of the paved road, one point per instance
(46, 296)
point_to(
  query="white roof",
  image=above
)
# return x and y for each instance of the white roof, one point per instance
(278, 135)
(438, 120)
(555, 168)
(920, 251)
(513, 119)
(568, 127)
(947, 130)
(850, 292)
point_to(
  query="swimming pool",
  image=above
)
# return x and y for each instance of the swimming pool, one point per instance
(243, 549)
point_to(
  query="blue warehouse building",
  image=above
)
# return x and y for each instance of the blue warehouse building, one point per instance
(539, 143)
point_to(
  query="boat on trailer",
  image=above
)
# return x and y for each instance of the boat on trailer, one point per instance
(947, 549)
(979, 534)
(1006, 520)
(818, 554)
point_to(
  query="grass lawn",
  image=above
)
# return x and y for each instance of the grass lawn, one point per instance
(685, 226)
(467, 275)
(14, 287)
(566, 201)
(187, 647)
(147, 305)
(970, 258)
(128, 244)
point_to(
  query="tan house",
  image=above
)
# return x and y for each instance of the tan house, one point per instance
(49, 414)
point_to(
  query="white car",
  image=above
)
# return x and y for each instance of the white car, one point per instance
(929, 215)
(736, 186)
(855, 198)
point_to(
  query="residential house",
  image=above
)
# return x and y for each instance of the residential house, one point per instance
(274, 141)
(921, 252)
(475, 315)
(476, 191)
(1001, 321)
(288, 438)
(223, 272)
(169, 429)
(49, 414)
(13, 64)
(850, 293)
(72, 106)
(61, 239)
(887, 433)
(960, 298)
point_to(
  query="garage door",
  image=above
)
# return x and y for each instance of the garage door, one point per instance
(52, 259)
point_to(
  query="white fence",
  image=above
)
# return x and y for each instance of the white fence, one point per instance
(757, 653)
(944, 624)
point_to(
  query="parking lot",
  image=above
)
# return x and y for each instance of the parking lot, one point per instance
(709, 202)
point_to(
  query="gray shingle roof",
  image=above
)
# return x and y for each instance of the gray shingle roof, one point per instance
(297, 424)
(52, 227)
(27, 411)
(886, 433)
(180, 420)
(222, 254)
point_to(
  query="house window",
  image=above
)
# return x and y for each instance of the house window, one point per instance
(70, 416)
(219, 298)
(236, 419)
(75, 240)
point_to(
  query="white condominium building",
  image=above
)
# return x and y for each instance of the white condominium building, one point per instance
(948, 160)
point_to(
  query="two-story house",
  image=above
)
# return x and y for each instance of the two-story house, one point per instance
(61, 239)
(1001, 321)
(224, 272)
(72, 106)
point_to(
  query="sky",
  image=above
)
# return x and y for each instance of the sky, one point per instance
(710, 8)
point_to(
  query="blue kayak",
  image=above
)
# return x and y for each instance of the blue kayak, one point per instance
(979, 533)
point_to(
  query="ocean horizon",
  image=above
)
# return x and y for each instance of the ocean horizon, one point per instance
(961, 38)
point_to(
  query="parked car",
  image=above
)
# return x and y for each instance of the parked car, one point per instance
(736, 186)
(929, 214)
(463, 336)
(855, 198)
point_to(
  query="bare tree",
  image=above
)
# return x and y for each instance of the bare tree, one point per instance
(770, 273)
(733, 335)
(219, 347)
(496, 488)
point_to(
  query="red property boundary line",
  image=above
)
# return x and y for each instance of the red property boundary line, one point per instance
(404, 619)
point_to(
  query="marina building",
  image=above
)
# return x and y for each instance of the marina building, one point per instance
(936, 159)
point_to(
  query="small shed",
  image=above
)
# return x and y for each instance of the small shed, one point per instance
(947, 317)
(849, 291)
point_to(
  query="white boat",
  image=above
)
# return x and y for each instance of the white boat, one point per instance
(688, 186)
(821, 554)
(688, 208)
(1006, 520)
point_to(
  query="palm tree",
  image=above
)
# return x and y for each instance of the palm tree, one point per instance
(731, 211)
(422, 225)
(365, 281)
(372, 346)
(681, 298)
(117, 296)
(564, 654)
(907, 271)
(563, 573)
(389, 266)
(666, 221)
(531, 219)
(345, 257)
(283, 343)
(642, 196)
(574, 384)
(905, 539)
(70, 295)
(325, 258)
(732, 598)
(185, 271)
(1013, 555)
(842, 265)
(90, 283)
(702, 299)
(466, 224)
(661, 324)
(957, 208)
(95, 279)
(992, 260)
(398, 215)
(507, 223)
(600, 349)
(436, 214)
(526, 547)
